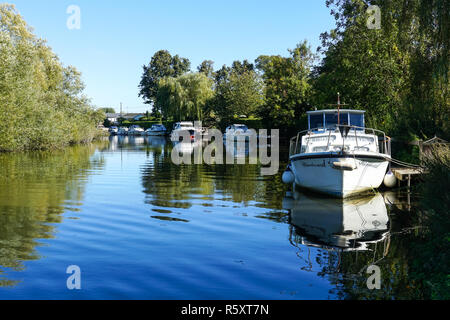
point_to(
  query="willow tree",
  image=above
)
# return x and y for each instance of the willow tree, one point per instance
(41, 101)
(184, 97)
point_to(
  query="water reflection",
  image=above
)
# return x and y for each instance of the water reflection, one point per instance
(133, 219)
(35, 189)
(349, 224)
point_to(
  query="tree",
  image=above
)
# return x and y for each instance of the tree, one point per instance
(239, 91)
(42, 104)
(108, 110)
(287, 86)
(185, 97)
(398, 74)
(162, 65)
(207, 68)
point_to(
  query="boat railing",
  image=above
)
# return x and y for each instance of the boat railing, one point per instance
(346, 131)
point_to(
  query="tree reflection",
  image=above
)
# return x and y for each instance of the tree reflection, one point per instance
(174, 186)
(34, 188)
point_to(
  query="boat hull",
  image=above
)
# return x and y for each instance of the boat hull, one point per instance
(156, 133)
(339, 175)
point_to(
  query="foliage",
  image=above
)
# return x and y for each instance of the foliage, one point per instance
(41, 101)
(108, 110)
(162, 65)
(207, 68)
(239, 91)
(399, 73)
(185, 97)
(287, 86)
(432, 261)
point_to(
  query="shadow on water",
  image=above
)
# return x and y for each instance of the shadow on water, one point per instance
(35, 189)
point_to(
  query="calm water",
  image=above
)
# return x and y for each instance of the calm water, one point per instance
(140, 227)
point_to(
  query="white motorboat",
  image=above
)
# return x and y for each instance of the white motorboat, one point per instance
(123, 131)
(136, 130)
(347, 224)
(113, 130)
(180, 129)
(236, 129)
(156, 130)
(337, 155)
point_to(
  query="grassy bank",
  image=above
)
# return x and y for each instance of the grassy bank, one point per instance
(42, 105)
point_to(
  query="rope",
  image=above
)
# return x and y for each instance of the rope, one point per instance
(406, 164)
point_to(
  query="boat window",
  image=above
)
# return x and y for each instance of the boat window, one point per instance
(357, 120)
(316, 121)
(343, 118)
(331, 120)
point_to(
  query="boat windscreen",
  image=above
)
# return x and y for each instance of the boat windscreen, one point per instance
(331, 120)
(316, 121)
(357, 120)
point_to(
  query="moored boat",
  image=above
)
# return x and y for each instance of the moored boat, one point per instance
(338, 155)
(123, 131)
(113, 130)
(156, 130)
(186, 128)
(135, 130)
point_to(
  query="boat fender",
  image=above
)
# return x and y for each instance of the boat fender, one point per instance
(288, 176)
(344, 166)
(390, 180)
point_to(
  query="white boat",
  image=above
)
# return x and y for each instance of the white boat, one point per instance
(136, 130)
(156, 130)
(113, 130)
(236, 129)
(123, 131)
(337, 155)
(347, 224)
(181, 129)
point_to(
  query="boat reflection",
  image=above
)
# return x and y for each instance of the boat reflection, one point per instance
(348, 225)
(131, 142)
(155, 141)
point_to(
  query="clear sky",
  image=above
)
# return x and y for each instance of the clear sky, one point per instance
(118, 37)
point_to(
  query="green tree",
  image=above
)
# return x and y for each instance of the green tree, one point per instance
(207, 68)
(287, 86)
(108, 110)
(185, 97)
(41, 102)
(399, 73)
(162, 65)
(239, 91)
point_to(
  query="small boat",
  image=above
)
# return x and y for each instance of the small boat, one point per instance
(236, 129)
(181, 128)
(123, 131)
(156, 130)
(136, 130)
(113, 130)
(338, 155)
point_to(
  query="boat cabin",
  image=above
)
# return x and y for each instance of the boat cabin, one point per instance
(328, 119)
(183, 125)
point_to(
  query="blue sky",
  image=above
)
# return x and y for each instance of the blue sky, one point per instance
(118, 37)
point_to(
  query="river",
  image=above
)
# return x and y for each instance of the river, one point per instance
(140, 227)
